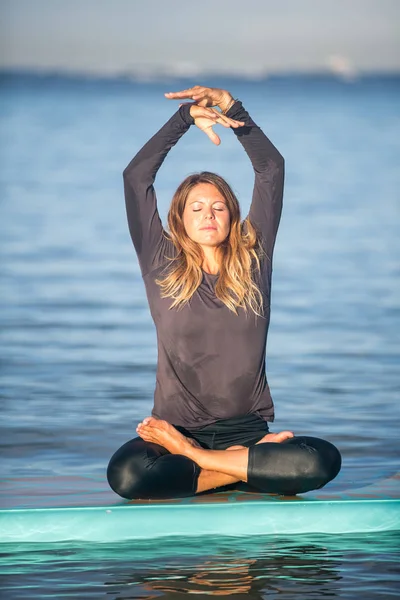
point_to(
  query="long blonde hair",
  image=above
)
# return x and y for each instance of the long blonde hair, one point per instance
(238, 255)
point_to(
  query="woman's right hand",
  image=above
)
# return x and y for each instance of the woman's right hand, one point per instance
(205, 118)
(204, 96)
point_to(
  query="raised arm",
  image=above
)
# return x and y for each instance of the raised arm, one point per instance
(145, 225)
(144, 221)
(268, 164)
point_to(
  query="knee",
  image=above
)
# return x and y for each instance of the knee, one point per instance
(120, 478)
(330, 462)
(128, 467)
(298, 465)
(322, 460)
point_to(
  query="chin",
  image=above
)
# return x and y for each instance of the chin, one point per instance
(210, 240)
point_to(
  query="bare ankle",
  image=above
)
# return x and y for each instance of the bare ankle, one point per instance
(210, 480)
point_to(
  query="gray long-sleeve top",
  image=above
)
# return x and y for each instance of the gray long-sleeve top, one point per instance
(211, 362)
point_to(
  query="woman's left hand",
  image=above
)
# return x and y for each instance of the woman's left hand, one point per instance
(205, 118)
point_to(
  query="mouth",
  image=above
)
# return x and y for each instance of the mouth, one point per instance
(208, 229)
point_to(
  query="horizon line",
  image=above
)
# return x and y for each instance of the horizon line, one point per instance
(150, 76)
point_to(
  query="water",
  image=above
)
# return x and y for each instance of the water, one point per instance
(77, 341)
(272, 567)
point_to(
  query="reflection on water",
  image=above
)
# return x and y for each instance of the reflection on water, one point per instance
(265, 567)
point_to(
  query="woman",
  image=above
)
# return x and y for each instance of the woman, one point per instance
(208, 283)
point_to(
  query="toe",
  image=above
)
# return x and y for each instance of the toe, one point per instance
(284, 435)
(159, 424)
(153, 422)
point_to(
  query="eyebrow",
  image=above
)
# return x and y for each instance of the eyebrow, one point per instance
(202, 201)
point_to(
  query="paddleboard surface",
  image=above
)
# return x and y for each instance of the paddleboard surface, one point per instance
(371, 509)
(224, 516)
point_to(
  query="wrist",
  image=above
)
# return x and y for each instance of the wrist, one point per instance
(226, 103)
(185, 112)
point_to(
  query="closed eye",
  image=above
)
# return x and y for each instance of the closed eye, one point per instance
(220, 209)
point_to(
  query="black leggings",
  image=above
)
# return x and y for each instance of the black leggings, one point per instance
(142, 469)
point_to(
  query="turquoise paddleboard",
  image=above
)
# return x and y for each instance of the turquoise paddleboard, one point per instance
(372, 509)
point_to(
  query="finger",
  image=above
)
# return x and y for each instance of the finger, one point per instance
(233, 123)
(177, 96)
(200, 99)
(223, 123)
(200, 92)
(210, 113)
(184, 91)
(204, 98)
(226, 121)
(223, 117)
(187, 93)
(206, 112)
(213, 136)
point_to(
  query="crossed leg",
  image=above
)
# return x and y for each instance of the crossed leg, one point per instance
(163, 463)
(218, 467)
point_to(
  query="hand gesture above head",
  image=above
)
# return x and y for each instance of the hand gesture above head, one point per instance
(205, 118)
(204, 96)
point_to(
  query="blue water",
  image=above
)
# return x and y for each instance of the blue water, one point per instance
(78, 347)
(313, 567)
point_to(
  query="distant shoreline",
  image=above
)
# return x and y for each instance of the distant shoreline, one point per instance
(211, 78)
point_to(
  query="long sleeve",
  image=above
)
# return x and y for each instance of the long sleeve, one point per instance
(144, 221)
(268, 164)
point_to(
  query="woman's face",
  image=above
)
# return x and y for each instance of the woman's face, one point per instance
(206, 215)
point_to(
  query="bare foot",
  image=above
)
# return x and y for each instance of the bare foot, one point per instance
(163, 433)
(270, 437)
(276, 437)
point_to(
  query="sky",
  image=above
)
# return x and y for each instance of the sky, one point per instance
(180, 37)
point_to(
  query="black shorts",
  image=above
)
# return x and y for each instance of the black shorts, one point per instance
(238, 431)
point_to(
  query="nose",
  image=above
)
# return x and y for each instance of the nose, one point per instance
(209, 213)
